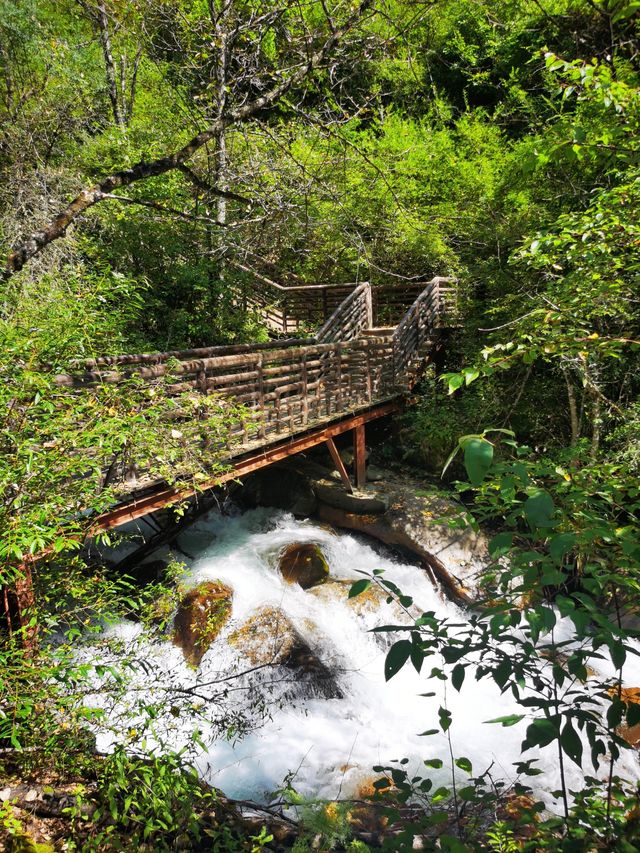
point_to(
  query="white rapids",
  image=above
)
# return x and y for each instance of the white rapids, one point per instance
(324, 742)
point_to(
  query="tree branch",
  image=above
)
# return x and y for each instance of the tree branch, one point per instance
(90, 196)
(201, 184)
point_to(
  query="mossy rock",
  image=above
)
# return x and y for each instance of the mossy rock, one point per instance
(304, 564)
(201, 615)
(269, 637)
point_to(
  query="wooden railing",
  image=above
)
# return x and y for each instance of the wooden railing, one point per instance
(351, 318)
(290, 309)
(289, 386)
(295, 309)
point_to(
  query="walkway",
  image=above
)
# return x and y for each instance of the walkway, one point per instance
(296, 392)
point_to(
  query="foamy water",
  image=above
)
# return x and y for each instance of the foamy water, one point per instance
(324, 738)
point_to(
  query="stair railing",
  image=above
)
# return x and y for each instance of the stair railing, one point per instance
(351, 317)
(417, 329)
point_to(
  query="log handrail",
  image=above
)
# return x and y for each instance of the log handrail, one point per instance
(292, 309)
(288, 386)
(416, 332)
(351, 317)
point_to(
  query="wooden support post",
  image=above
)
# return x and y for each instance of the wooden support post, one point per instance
(359, 462)
(260, 396)
(337, 461)
(368, 301)
(304, 392)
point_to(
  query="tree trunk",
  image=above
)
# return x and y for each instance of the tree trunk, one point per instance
(221, 33)
(573, 408)
(109, 64)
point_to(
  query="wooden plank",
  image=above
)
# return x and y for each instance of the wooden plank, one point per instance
(359, 461)
(339, 464)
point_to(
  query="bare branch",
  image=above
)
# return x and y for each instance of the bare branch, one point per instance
(201, 184)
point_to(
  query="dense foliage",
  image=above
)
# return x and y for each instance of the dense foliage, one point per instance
(496, 141)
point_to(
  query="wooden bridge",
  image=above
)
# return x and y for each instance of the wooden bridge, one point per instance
(296, 392)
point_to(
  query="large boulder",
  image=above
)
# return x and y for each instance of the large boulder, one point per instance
(268, 638)
(200, 617)
(368, 602)
(418, 521)
(304, 564)
(332, 493)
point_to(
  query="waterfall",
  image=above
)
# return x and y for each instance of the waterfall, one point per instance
(322, 730)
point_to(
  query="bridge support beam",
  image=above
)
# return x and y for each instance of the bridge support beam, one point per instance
(339, 464)
(359, 454)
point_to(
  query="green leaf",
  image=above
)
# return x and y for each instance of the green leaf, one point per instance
(541, 732)
(359, 587)
(478, 456)
(539, 508)
(500, 544)
(396, 658)
(457, 676)
(470, 375)
(633, 714)
(618, 654)
(509, 720)
(464, 764)
(450, 459)
(436, 763)
(445, 718)
(417, 657)
(571, 743)
(440, 794)
(561, 544)
(454, 381)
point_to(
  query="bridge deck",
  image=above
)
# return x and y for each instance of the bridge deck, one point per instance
(287, 389)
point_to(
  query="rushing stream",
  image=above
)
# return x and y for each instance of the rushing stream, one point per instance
(328, 727)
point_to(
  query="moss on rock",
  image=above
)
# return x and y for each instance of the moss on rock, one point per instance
(304, 564)
(201, 615)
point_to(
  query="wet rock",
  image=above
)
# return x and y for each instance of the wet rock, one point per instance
(303, 564)
(200, 617)
(333, 494)
(251, 819)
(269, 637)
(417, 521)
(370, 607)
(369, 601)
(375, 475)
